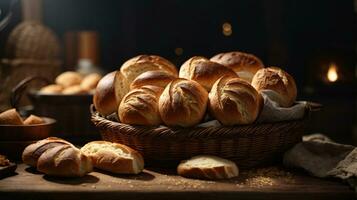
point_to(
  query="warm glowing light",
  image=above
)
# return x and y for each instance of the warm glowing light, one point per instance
(332, 74)
(178, 51)
(227, 29)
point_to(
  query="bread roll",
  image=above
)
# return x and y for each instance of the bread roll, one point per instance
(183, 103)
(104, 98)
(90, 81)
(65, 161)
(204, 72)
(155, 78)
(10, 117)
(246, 65)
(69, 78)
(33, 119)
(51, 89)
(143, 63)
(32, 152)
(140, 106)
(207, 167)
(280, 82)
(114, 157)
(234, 101)
(75, 89)
(121, 87)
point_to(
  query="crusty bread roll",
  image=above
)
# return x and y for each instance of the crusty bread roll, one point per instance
(140, 106)
(121, 87)
(69, 78)
(51, 89)
(143, 63)
(90, 81)
(280, 82)
(10, 117)
(65, 161)
(33, 119)
(114, 157)
(32, 152)
(74, 89)
(204, 72)
(233, 101)
(155, 78)
(207, 167)
(104, 98)
(246, 65)
(183, 103)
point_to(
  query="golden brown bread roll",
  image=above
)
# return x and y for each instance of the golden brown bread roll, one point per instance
(140, 106)
(246, 65)
(51, 89)
(33, 119)
(114, 157)
(32, 152)
(234, 101)
(183, 103)
(10, 117)
(90, 81)
(155, 78)
(280, 82)
(69, 78)
(143, 63)
(65, 161)
(204, 72)
(74, 89)
(207, 167)
(104, 99)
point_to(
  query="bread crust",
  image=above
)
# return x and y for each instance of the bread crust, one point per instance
(52, 89)
(225, 171)
(64, 161)
(204, 71)
(33, 119)
(90, 81)
(240, 62)
(280, 82)
(233, 101)
(183, 103)
(108, 160)
(11, 117)
(32, 152)
(142, 63)
(140, 106)
(69, 78)
(154, 78)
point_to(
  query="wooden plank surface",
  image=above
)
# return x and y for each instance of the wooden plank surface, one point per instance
(164, 184)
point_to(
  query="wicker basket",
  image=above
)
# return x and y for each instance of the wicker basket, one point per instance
(249, 146)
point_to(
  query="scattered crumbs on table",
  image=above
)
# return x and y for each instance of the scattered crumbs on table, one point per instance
(266, 177)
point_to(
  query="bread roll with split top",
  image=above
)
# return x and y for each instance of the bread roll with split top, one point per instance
(233, 101)
(244, 64)
(114, 157)
(143, 63)
(281, 84)
(140, 106)
(183, 103)
(155, 78)
(204, 71)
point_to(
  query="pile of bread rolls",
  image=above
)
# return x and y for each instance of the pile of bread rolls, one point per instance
(12, 117)
(149, 90)
(71, 83)
(57, 157)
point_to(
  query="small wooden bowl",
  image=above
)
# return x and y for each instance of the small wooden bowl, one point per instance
(27, 132)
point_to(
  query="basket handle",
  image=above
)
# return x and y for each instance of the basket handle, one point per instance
(18, 91)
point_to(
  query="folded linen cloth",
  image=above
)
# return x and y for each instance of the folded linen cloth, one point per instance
(322, 157)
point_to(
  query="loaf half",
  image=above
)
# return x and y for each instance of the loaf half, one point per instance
(207, 167)
(114, 157)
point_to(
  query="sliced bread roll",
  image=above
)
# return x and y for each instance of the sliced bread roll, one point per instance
(11, 117)
(207, 167)
(114, 157)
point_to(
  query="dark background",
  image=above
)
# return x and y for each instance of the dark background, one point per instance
(301, 36)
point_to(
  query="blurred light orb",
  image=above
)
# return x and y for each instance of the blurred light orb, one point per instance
(227, 29)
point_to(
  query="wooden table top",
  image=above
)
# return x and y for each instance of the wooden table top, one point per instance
(270, 183)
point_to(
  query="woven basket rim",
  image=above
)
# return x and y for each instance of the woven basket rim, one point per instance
(250, 130)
